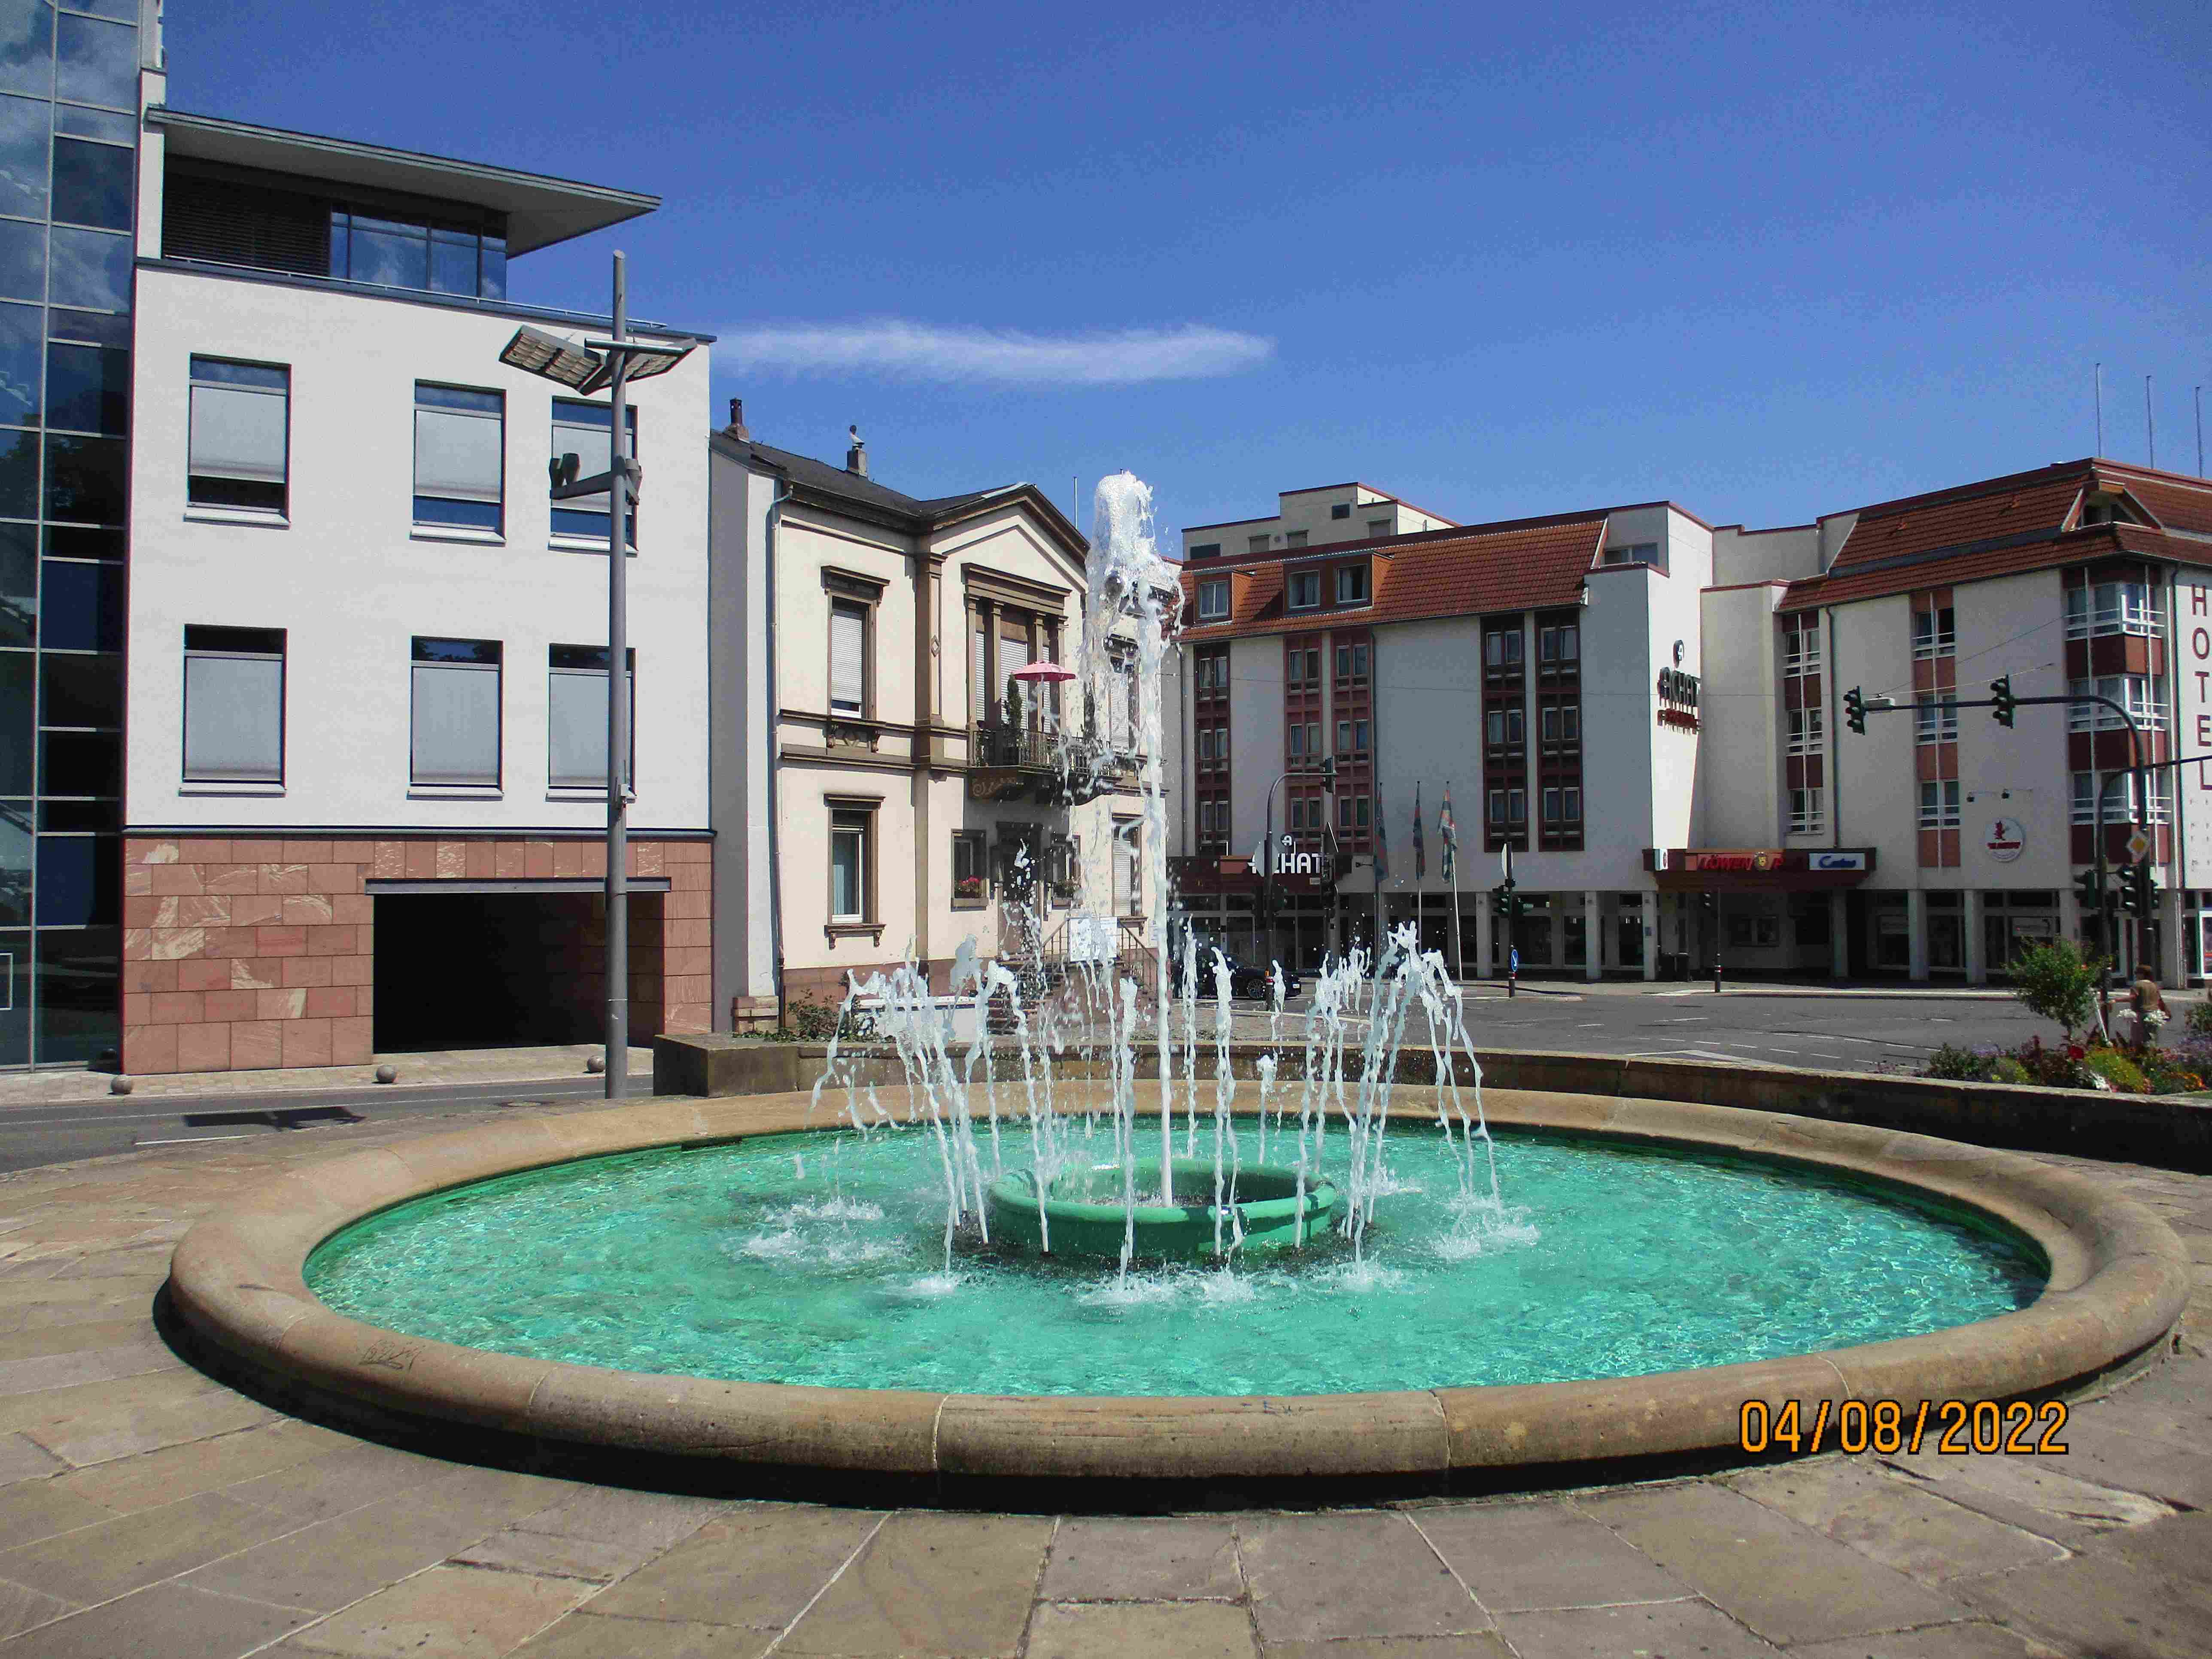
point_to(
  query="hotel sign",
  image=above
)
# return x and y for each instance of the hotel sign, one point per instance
(1678, 699)
(2192, 641)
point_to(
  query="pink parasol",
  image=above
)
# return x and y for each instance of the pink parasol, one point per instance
(1043, 673)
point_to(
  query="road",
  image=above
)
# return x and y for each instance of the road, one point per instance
(49, 1132)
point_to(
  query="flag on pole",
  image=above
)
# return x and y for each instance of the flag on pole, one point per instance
(1420, 846)
(1448, 833)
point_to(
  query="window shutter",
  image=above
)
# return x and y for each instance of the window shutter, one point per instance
(577, 729)
(456, 455)
(235, 718)
(847, 666)
(979, 686)
(456, 723)
(237, 432)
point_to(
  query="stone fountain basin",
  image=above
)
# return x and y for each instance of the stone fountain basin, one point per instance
(2119, 1283)
(1082, 1213)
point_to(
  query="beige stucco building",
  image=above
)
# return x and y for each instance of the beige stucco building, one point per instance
(880, 794)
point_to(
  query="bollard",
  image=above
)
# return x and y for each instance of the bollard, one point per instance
(1717, 974)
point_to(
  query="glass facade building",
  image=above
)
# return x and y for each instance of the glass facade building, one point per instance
(68, 132)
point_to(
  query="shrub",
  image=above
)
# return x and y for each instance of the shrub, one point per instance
(1959, 1064)
(2055, 982)
(2117, 1069)
(2198, 1020)
(2168, 1078)
(2008, 1069)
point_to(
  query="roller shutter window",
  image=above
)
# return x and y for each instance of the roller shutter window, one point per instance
(233, 705)
(455, 737)
(240, 422)
(848, 664)
(576, 717)
(461, 458)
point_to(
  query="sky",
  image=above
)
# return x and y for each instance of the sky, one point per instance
(1767, 260)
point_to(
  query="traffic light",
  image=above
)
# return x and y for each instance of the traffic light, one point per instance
(2001, 692)
(2139, 890)
(1710, 902)
(1504, 902)
(1855, 710)
(2087, 889)
(1328, 771)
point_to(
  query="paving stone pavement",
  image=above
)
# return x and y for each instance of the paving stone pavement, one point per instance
(148, 1508)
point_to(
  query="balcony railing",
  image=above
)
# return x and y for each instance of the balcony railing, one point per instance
(1026, 762)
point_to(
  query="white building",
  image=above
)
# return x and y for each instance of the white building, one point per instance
(1318, 516)
(882, 793)
(364, 772)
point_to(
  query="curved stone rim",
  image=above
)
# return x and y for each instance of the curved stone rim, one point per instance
(2119, 1280)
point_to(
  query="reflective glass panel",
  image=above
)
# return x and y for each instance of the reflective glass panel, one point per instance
(59, 816)
(73, 890)
(78, 970)
(96, 63)
(23, 156)
(79, 763)
(26, 47)
(76, 541)
(95, 123)
(93, 327)
(79, 691)
(15, 863)
(22, 261)
(17, 670)
(18, 584)
(453, 262)
(19, 474)
(87, 388)
(92, 183)
(80, 606)
(85, 479)
(14, 995)
(492, 282)
(92, 268)
(19, 365)
(394, 254)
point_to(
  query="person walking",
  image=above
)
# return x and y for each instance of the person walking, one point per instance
(2149, 1005)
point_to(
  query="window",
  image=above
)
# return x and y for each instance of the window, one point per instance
(1205, 549)
(1560, 645)
(393, 253)
(1378, 527)
(1939, 805)
(2112, 607)
(1313, 666)
(1255, 544)
(455, 725)
(1352, 662)
(1298, 741)
(2136, 693)
(1352, 584)
(1213, 600)
(2120, 798)
(1344, 736)
(461, 458)
(1936, 720)
(970, 877)
(587, 431)
(1296, 538)
(1505, 728)
(848, 657)
(1801, 645)
(850, 832)
(1563, 722)
(1804, 811)
(241, 435)
(1501, 648)
(1305, 589)
(1562, 806)
(1360, 813)
(1635, 553)
(1341, 510)
(233, 705)
(576, 722)
(1298, 812)
(1935, 632)
(1509, 806)
(1294, 670)
(1807, 735)
(1221, 744)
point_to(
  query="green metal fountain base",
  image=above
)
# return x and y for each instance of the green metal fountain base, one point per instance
(1081, 1214)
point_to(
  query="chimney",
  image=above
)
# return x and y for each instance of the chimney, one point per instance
(737, 427)
(856, 458)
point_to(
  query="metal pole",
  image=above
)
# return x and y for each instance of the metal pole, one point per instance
(2200, 431)
(2100, 409)
(1459, 962)
(2150, 425)
(618, 967)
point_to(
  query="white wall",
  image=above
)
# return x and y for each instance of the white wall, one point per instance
(1875, 793)
(1256, 739)
(1740, 773)
(1741, 555)
(351, 582)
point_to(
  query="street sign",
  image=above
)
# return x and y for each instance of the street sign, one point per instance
(2138, 847)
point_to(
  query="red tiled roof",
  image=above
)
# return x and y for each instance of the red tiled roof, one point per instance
(1953, 519)
(1453, 572)
(2083, 542)
(2177, 503)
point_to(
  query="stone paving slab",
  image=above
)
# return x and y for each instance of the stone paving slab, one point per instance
(157, 1511)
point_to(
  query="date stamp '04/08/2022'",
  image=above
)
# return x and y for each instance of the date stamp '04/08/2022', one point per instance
(1954, 1428)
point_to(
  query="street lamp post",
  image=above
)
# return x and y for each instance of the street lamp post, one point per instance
(609, 364)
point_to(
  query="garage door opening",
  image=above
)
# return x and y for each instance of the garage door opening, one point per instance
(493, 970)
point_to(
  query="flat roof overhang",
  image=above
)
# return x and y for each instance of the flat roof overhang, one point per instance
(540, 210)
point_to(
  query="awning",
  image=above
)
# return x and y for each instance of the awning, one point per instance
(1757, 869)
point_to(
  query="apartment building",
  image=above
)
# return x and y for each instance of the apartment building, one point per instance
(886, 789)
(1647, 710)
(1514, 663)
(362, 784)
(1318, 516)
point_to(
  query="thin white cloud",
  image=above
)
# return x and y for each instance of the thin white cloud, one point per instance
(923, 351)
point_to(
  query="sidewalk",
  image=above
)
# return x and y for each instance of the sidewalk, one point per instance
(442, 1067)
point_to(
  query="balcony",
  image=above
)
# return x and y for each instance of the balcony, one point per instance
(1010, 762)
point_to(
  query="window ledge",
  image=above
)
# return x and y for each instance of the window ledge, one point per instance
(272, 790)
(872, 931)
(459, 792)
(557, 793)
(560, 544)
(427, 532)
(238, 515)
(971, 904)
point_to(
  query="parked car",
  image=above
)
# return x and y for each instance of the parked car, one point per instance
(1244, 979)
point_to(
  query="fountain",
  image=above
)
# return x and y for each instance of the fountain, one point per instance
(1012, 1259)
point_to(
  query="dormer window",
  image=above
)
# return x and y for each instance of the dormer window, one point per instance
(1352, 584)
(1304, 589)
(1635, 553)
(1213, 600)
(1205, 549)
(1341, 510)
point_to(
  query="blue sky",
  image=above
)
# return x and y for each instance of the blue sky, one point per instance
(1768, 260)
